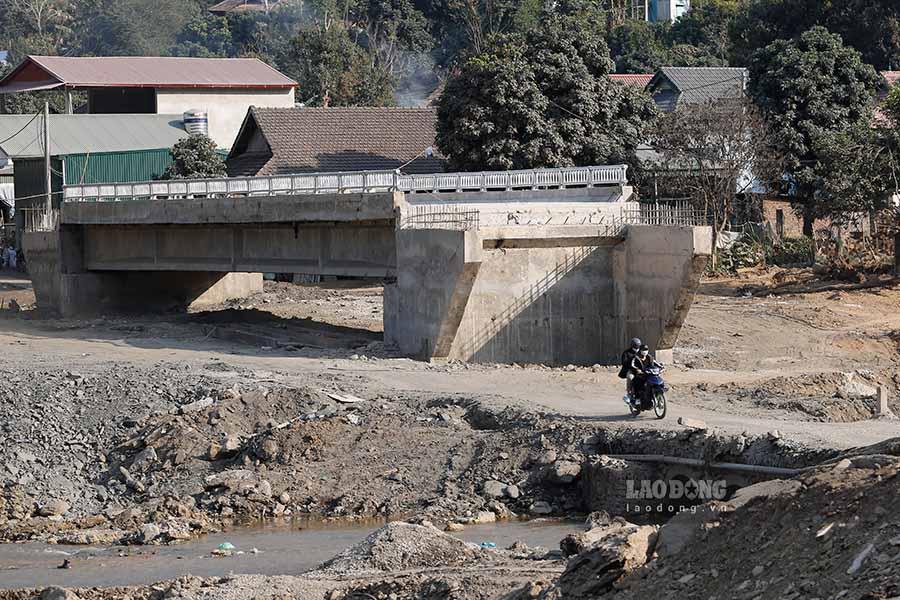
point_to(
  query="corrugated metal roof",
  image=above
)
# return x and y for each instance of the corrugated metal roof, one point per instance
(78, 134)
(149, 71)
(701, 84)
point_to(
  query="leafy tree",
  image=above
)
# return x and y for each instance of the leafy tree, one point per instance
(808, 88)
(596, 120)
(638, 47)
(130, 27)
(195, 157)
(870, 26)
(541, 100)
(332, 70)
(701, 36)
(204, 36)
(492, 114)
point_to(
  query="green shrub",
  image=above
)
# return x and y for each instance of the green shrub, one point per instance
(791, 252)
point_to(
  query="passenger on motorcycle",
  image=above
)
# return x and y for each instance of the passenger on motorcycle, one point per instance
(626, 372)
(638, 370)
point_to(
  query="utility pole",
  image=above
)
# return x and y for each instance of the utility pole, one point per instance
(49, 173)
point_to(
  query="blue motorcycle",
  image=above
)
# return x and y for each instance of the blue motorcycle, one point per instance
(650, 392)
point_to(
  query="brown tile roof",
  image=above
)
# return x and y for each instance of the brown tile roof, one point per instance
(298, 140)
(146, 71)
(639, 81)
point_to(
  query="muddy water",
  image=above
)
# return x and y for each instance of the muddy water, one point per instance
(280, 550)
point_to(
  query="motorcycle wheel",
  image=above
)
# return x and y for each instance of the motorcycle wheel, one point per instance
(659, 405)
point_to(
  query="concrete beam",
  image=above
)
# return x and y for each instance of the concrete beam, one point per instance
(249, 209)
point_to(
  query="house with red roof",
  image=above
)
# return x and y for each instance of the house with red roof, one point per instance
(223, 88)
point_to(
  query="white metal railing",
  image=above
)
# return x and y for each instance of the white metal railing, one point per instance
(347, 182)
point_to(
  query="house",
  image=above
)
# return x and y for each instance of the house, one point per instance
(672, 87)
(224, 88)
(238, 6)
(274, 141)
(85, 149)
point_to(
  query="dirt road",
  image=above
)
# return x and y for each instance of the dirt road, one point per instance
(744, 363)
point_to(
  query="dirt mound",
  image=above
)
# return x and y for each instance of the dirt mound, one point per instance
(836, 536)
(401, 546)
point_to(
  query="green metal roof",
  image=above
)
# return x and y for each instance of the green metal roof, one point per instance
(82, 134)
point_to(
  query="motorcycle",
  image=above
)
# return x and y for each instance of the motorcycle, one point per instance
(651, 393)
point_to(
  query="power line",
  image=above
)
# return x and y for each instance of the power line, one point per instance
(21, 130)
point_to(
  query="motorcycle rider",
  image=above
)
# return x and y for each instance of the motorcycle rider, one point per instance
(626, 371)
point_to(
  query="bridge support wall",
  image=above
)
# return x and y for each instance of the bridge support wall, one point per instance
(62, 286)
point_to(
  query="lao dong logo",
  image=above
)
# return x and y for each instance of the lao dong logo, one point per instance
(673, 495)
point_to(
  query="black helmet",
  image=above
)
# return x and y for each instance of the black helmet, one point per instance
(644, 348)
(636, 342)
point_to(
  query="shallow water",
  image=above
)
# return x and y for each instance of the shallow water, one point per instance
(282, 550)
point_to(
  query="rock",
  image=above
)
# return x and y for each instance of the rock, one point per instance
(54, 508)
(214, 451)
(483, 517)
(565, 472)
(231, 446)
(264, 488)
(547, 457)
(235, 480)
(90, 537)
(144, 459)
(758, 570)
(56, 593)
(541, 508)
(594, 572)
(353, 419)
(512, 492)
(493, 489)
(284, 498)
(692, 423)
(452, 526)
(686, 578)
(148, 533)
(576, 543)
(197, 406)
(598, 518)
(853, 390)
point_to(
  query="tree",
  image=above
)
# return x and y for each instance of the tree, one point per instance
(714, 152)
(195, 157)
(130, 27)
(808, 88)
(701, 36)
(870, 26)
(204, 36)
(331, 70)
(492, 113)
(638, 47)
(544, 99)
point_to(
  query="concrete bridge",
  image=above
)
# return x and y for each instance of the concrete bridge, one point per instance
(554, 266)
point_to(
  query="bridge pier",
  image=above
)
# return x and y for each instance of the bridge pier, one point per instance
(552, 295)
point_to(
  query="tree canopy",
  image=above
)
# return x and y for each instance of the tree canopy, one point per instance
(808, 88)
(195, 157)
(541, 99)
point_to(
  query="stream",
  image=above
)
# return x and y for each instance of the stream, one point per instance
(265, 550)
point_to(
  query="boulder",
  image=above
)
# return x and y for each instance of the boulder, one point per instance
(541, 508)
(56, 593)
(576, 543)
(493, 489)
(148, 533)
(512, 492)
(54, 508)
(594, 572)
(565, 471)
(144, 459)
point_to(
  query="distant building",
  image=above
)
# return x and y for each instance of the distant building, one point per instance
(237, 6)
(85, 149)
(666, 10)
(275, 141)
(222, 87)
(638, 81)
(672, 87)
